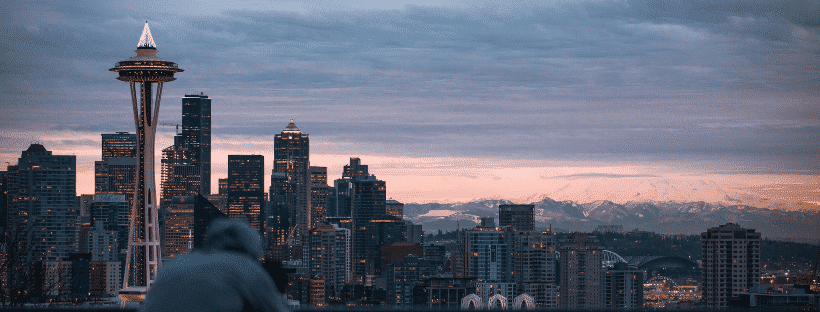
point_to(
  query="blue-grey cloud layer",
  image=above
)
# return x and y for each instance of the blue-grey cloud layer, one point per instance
(619, 80)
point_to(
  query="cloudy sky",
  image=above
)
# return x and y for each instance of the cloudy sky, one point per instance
(451, 100)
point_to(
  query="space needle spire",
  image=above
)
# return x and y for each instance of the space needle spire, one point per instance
(144, 254)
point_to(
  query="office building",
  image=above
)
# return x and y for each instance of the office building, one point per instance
(178, 232)
(205, 211)
(367, 201)
(581, 271)
(180, 175)
(278, 223)
(319, 191)
(246, 196)
(42, 197)
(119, 145)
(731, 263)
(517, 217)
(383, 230)
(223, 187)
(196, 132)
(186, 221)
(116, 176)
(220, 202)
(291, 150)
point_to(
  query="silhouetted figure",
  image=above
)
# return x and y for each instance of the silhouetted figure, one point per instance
(224, 275)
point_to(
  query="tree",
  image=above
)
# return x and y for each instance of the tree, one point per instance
(22, 277)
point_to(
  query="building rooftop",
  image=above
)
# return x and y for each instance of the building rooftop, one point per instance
(291, 128)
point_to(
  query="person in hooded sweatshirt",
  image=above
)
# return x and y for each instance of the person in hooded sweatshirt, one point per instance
(224, 275)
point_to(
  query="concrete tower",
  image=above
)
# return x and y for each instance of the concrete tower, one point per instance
(145, 69)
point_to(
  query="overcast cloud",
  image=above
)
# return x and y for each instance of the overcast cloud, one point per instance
(730, 82)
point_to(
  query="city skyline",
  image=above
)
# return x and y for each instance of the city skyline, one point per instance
(578, 101)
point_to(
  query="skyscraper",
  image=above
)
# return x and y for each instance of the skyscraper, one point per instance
(145, 69)
(42, 197)
(329, 249)
(180, 176)
(117, 171)
(319, 191)
(367, 198)
(518, 217)
(731, 263)
(246, 195)
(536, 266)
(489, 253)
(581, 272)
(291, 150)
(196, 131)
(278, 222)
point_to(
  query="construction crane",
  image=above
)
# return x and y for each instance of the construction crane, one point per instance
(170, 124)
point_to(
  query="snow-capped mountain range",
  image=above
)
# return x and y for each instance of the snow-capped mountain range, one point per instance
(659, 217)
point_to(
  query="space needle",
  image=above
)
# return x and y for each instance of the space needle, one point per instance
(143, 254)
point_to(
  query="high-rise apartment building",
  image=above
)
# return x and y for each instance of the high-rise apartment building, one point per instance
(119, 145)
(581, 272)
(623, 287)
(329, 249)
(536, 266)
(731, 263)
(196, 131)
(488, 253)
(319, 191)
(42, 197)
(517, 217)
(246, 196)
(291, 150)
